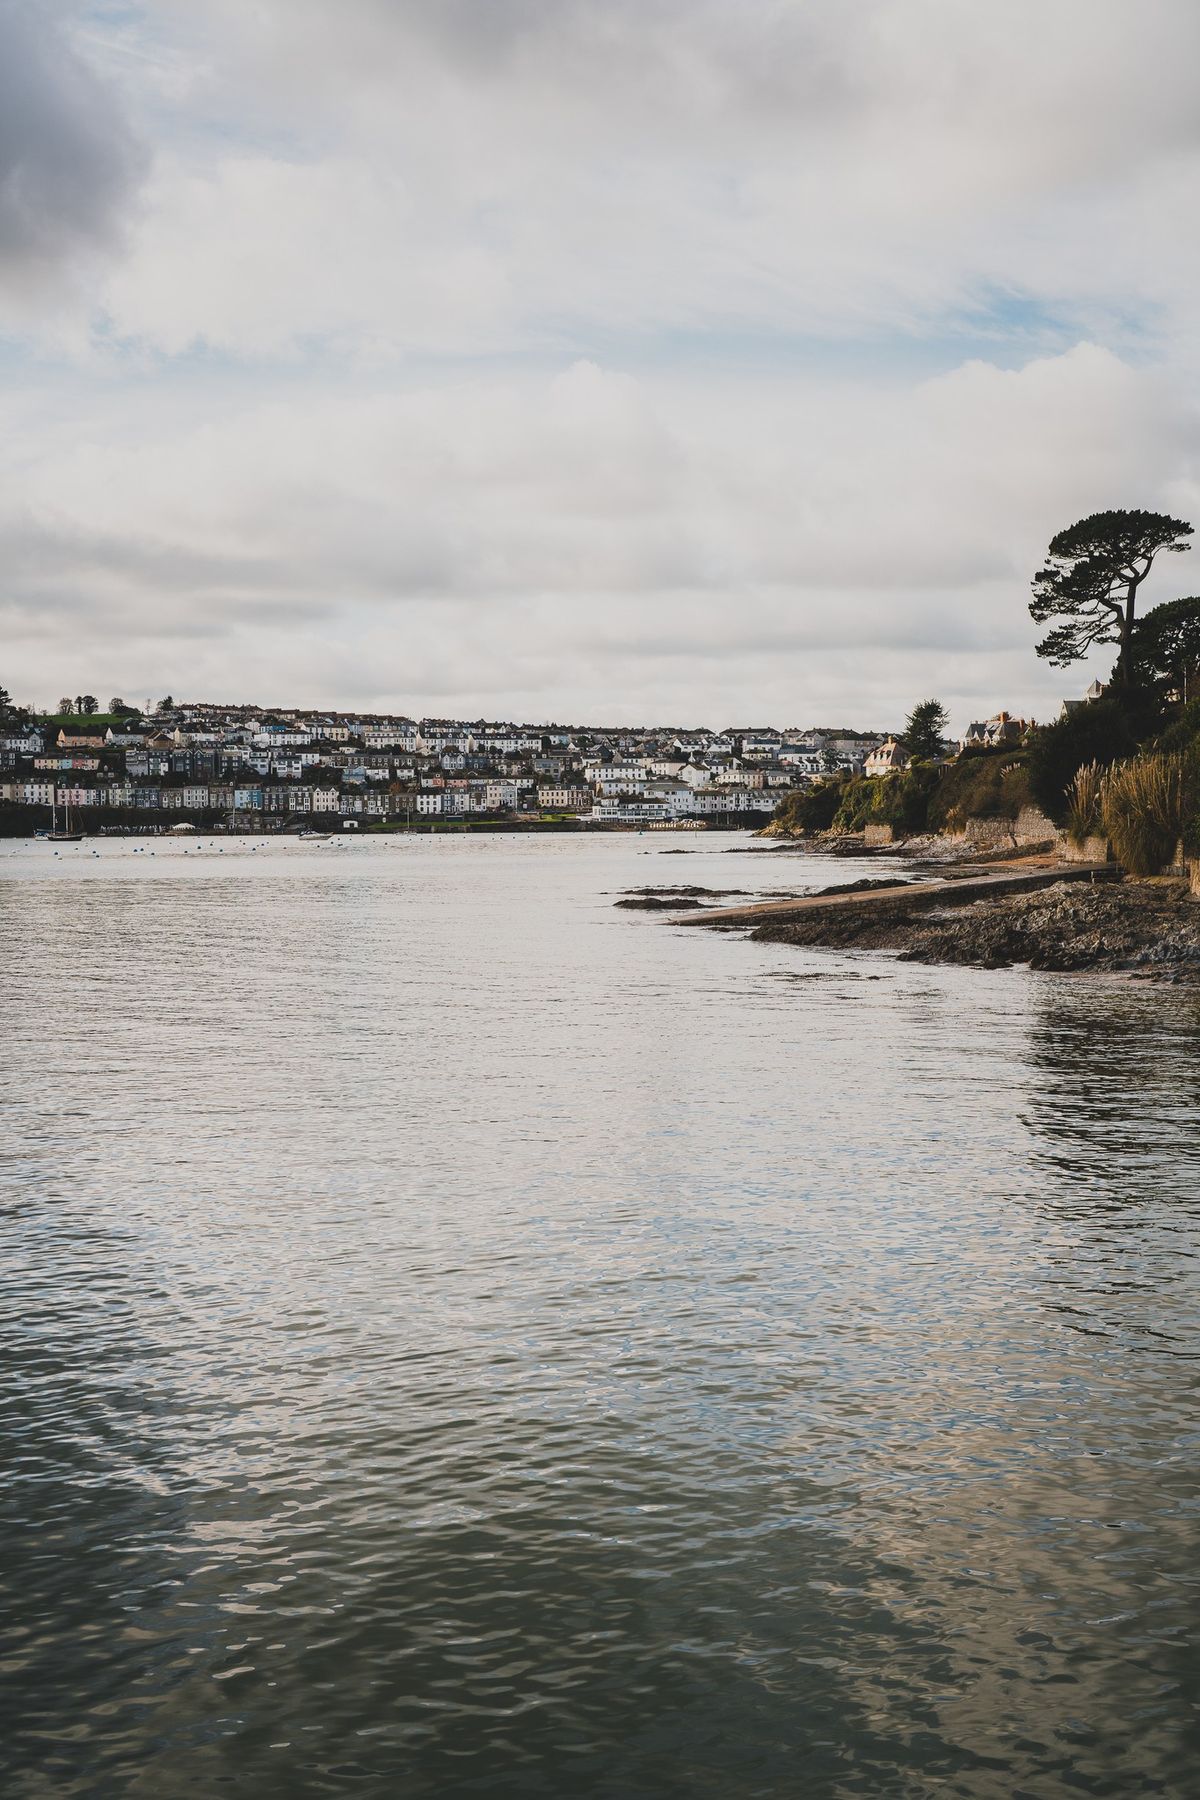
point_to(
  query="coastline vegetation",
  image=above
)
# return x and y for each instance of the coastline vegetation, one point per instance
(988, 782)
(1144, 804)
(1124, 765)
(1084, 816)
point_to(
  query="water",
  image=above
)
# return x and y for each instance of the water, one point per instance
(463, 1339)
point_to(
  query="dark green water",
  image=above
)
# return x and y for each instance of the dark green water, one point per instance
(460, 1339)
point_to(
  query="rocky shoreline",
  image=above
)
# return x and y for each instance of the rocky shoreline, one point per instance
(1148, 929)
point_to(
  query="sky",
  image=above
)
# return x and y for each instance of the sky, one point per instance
(693, 361)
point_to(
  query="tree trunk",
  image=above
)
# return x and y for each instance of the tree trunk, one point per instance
(1121, 671)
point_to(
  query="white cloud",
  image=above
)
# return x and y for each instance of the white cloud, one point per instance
(587, 541)
(559, 357)
(511, 175)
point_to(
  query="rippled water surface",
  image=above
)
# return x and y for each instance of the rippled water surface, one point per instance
(463, 1339)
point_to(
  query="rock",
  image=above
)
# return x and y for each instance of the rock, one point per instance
(861, 887)
(1152, 928)
(658, 903)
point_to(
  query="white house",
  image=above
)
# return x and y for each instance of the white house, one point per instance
(885, 758)
(726, 800)
(563, 799)
(621, 809)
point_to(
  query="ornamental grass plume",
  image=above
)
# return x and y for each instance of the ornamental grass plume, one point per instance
(1083, 803)
(1142, 806)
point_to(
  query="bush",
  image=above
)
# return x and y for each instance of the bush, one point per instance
(812, 808)
(1183, 733)
(900, 800)
(1084, 803)
(1190, 798)
(987, 783)
(1142, 805)
(1100, 731)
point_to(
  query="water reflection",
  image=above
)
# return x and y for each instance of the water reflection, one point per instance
(476, 1345)
(1117, 1097)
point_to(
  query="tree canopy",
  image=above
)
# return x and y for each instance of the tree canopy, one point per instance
(1090, 582)
(924, 730)
(1166, 648)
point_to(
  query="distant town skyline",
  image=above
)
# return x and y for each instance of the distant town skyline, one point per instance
(650, 361)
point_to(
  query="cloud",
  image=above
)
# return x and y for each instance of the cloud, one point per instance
(623, 358)
(476, 178)
(588, 542)
(69, 162)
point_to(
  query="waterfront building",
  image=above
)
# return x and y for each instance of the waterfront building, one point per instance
(886, 758)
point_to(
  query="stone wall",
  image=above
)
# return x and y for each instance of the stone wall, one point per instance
(1093, 849)
(988, 834)
(1033, 827)
(876, 835)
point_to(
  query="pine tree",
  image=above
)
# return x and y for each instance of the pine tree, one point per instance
(1091, 580)
(923, 733)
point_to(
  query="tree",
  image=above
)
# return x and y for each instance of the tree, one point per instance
(66, 704)
(122, 709)
(923, 733)
(11, 715)
(166, 704)
(1166, 648)
(1099, 731)
(87, 703)
(1091, 580)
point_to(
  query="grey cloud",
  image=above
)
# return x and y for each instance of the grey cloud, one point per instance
(69, 161)
(344, 196)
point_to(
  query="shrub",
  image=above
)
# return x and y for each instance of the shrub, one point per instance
(985, 783)
(900, 800)
(1190, 799)
(1084, 803)
(1183, 733)
(813, 808)
(1142, 806)
(1101, 731)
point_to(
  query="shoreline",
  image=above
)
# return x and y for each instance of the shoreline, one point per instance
(989, 911)
(1145, 929)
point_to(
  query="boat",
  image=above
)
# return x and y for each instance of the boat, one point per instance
(315, 837)
(66, 835)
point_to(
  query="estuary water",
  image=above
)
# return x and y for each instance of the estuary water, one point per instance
(464, 1339)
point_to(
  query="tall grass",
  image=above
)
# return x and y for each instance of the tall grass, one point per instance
(1084, 799)
(1142, 809)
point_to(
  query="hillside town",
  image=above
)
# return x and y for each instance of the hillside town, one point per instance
(252, 768)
